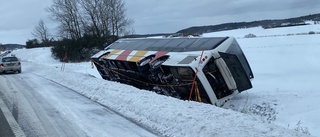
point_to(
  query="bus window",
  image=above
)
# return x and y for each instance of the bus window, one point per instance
(185, 73)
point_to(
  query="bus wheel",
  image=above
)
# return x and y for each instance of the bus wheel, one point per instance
(143, 65)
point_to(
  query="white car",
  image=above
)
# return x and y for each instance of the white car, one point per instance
(10, 64)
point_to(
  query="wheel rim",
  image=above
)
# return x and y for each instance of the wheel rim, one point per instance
(157, 63)
(144, 62)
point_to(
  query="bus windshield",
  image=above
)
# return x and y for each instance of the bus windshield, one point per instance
(236, 50)
(237, 70)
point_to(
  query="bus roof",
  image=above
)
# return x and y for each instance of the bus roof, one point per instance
(168, 44)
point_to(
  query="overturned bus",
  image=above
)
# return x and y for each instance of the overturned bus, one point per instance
(205, 69)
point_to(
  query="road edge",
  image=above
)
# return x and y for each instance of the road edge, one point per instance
(15, 127)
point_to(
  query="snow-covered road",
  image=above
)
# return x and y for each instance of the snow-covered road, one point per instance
(45, 108)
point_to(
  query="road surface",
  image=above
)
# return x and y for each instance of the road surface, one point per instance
(45, 108)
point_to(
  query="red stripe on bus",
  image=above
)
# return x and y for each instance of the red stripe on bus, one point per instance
(158, 55)
(124, 55)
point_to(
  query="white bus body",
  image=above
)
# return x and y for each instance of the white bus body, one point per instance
(210, 70)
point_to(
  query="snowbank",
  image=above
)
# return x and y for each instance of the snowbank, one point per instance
(166, 115)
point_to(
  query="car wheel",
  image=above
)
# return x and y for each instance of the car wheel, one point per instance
(19, 71)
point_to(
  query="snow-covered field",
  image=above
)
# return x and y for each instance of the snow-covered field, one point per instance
(287, 76)
(283, 102)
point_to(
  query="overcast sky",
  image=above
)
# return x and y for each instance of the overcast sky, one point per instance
(19, 17)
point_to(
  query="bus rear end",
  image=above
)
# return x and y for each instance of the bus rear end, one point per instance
(227, 72)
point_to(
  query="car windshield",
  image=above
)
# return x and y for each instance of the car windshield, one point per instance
(9, 59)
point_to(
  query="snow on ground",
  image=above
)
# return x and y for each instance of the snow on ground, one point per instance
(261, 32)
(286, 80)
(283, 102)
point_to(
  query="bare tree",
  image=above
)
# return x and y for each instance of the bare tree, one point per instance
(119, 22)
(92, 19)
(41, 32)
(66, 12)
(105, 14)
(128, 31)
(105, 17)
(100, 18)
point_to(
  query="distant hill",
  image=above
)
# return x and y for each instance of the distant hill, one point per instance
(268, 23)
(196, 30)
(10, 46)
(147, 35)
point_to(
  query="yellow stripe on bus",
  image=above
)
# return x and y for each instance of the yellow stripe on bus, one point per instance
(136, 57)
(112, 53)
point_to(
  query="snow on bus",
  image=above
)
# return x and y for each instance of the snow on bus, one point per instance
(210, 69)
